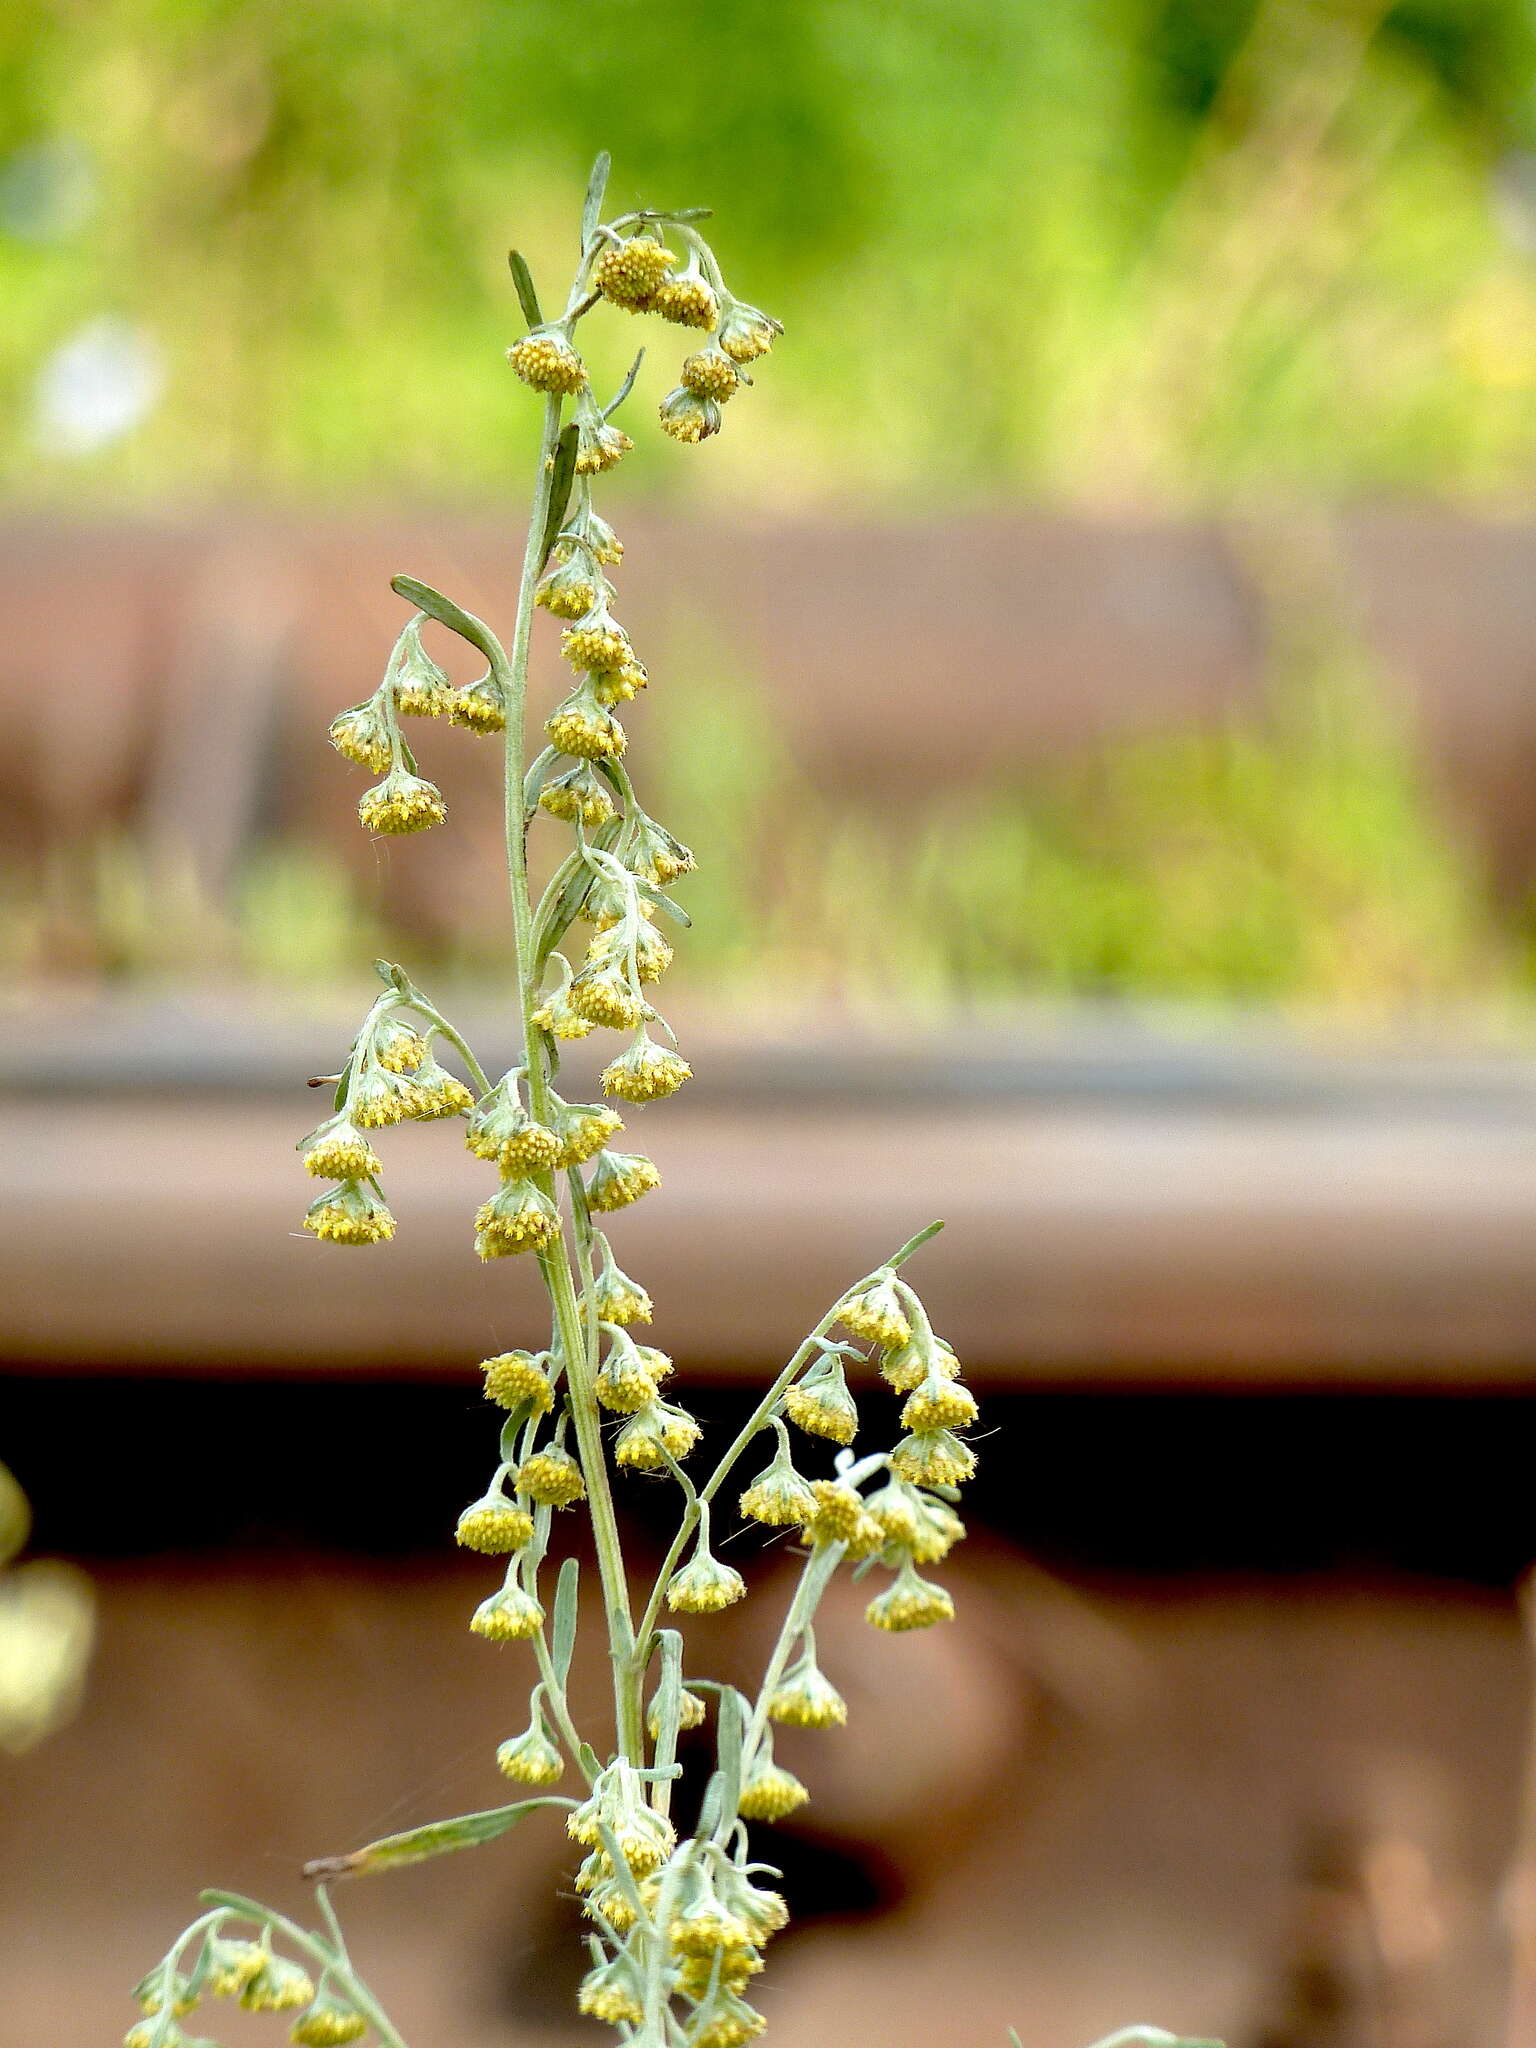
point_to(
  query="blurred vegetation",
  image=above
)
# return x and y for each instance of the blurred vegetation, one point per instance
(1132, 250)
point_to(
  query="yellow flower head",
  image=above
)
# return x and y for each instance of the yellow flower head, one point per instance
(933, 1458)
(583, 1129)
(691, 1713)
(556, 1016)
(702, 1927)
(895, 1507)
(437, 1093)
(422, 689)
(530, 1758)
(938, 1403)
(613, 1992)
(603, 995)
(838, 1514)
(623, 1384)
(601, 538)
(479, 707)
(910, 1602)
(658, 1427)
(939, 1529)
(515, 1377)
(645, 1073)
(735, 1971)
(687, 300)
(580, 725)
(704, 1585)
(778, 1496)
(501, 1129)
(397, 1046)
(770, 1793)
(617, 686)
(546, 361)
(146, 2033)
(519, 1217)
(906, 1366)
(745, 333)
(618, 1299)
(687, 417)
(822, 1406)
(551, 1477)
(151, 1991)
(361, 733)
(599, 446)
(620, 1178)
(877, 1313)
(327, 2024)
(596, 642)
(494, 1526)
(402, 802)
(379, 1097)
(349, 1214)
(580, 795)
(572, 587)
(339, 1151)
(232, 1964)
(710, 374)
(510, 1616)
(628, 275)
(804, 1698)
(278, 1986)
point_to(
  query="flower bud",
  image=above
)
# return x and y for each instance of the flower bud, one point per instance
(620, 1178)
(745, 333)
(804, 1698)
(571, 588)
(603, 995)
(710, 374)
(519, 1217)
(687, 417)
(580, 795)
(437, 1093)
(493, 1525)
(645, 1073)
(552, 1477)
(479, 707)
(596, 641)
(583, 1129)
(397, 1046)
(910, 1602)
(599, 446)
(580, 725)
(939, 1530)
(934, 1458)
(339, 1151)
(623, 1384)
(513, 1378)
(150, 2034)
(613, 1992)
(361, 733)
(546, 361)
(510, 1616)
(422, 689)
(938, 1404)
(704, 1585)
(601, 538)
(876, 1313)
(779, 1496)
(906, 1366)
(629, 275)
(402, 802)
(687, 300)
(770, 1793)
(328, 2023)
(232, 1964)
(151, 1991)
(531, 1758)
(379, 1097)
(658, 857)
(658, 1427)
(617, 1298)
(278, 1986)
(349, 1214)
(821, 1405)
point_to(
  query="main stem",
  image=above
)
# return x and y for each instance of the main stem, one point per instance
(580, 1365)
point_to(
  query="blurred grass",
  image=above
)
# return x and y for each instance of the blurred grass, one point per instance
(1152, 250)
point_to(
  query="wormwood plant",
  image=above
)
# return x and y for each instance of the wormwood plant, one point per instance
(677, 1924)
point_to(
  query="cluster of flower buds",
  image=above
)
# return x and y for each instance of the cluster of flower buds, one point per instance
(391, 1076)
(254, 1976)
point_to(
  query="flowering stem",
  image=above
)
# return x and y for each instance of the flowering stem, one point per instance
(580, 1365)
(321, 1952)
(815, 1577)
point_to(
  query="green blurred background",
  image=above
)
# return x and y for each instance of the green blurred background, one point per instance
(1124, 259)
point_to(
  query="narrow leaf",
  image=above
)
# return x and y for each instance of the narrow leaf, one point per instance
(731, 1728)
(563, 1634)
(625, 388)
(437, 1838)
(563, 477)
(592, 205)
(453, 616)
(527, 297)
